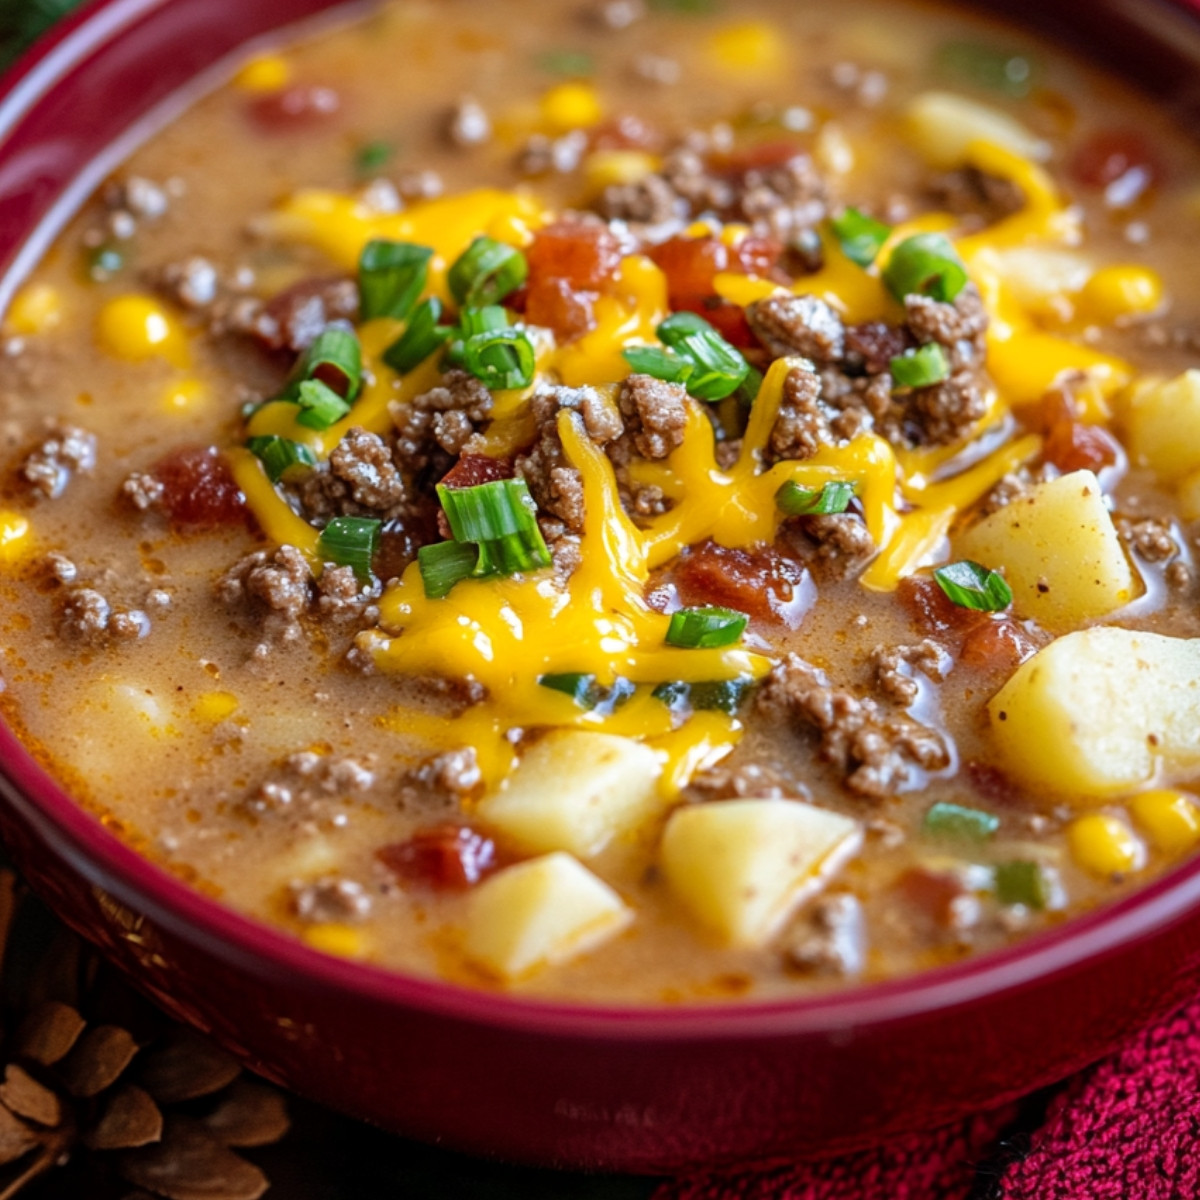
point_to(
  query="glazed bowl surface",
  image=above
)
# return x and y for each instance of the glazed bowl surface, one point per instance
(640, 1089)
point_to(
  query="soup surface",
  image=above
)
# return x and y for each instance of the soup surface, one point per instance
(625, 502)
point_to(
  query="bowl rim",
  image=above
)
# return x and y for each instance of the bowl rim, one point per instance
(100, 857)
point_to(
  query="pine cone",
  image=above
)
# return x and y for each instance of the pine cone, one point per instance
(104, 1091)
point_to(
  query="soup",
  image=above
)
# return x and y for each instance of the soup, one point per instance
(647, 504)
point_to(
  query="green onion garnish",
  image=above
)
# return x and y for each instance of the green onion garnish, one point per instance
(722, 695)
(391, 275)
(662, 364)
(697, 7)
(504, 358)
(718, 368)
(991, 67)
(501, 518)
(921, 367)
(583, 689)
(956, 820)
(970, 585)
(104, 262)
(279, 455)
(1023, 882)
(486, 272)
(799, 501)
(860, 237)
(748, 391)
(422, 336)
(334, 358)
(350, 542)
(473, 321)
(578, 63)
(444, 564)
(372, 156)
(925, 265)
(320, 405)
(706, 628)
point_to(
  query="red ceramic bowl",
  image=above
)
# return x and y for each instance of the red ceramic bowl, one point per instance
(636, 1089)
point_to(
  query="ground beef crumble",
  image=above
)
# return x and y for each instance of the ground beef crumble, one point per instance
(440, 423)
(330, 899)
(896, 683)
(65, 451)
(310, 785)
(86, 615)
(553, 482)
(878, 752)
(443, 779)
(972, 193)
(828, 938)
(360, 478)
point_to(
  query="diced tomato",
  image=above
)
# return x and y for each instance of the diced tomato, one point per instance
(1071, 446)
(445, 858)
(555, 304)
(1111, 155)
(996, 645)
(626, 132)
(584, 253)
(297, 315)
(199, 489)
(474, 469)
(931, 895)
(759, 157)
(932, 611)
(690, 265)
(991, 783)
(295, 108)
(761, 582)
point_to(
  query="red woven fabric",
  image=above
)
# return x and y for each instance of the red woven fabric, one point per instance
(1126, 1129)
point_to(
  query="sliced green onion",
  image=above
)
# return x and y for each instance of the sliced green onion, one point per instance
(372, 156)
(971, 585)
(956, 820)
(443, 564)
(1023, 882)
(697, 7)
(502, 359)
(351, 542)
(722, 695)
(706, 628)
(583, 689)
(473, 321)
(993, 67)
(334, 358)
(391, 275)
(501, 518)
(925, 265)
(486, 272)
(860, 237)
(799, 501)
(578, 63)
(921, 367)
(661, 364)
(749, 388)
(718, 369)
(421, 337)
(280, 455)
(104, 262)
(320, 405)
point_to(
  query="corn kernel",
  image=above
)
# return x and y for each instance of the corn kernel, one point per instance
(1189, 497)
(1104, 845)
(36, 308)
(330, 938)
(184, 396)
(15, 536)
(214, 706)
(1120, 291)
(1170, 819)
(748, 47)
(266, 73)
(571, 106)
(608, 168)
(137, 328)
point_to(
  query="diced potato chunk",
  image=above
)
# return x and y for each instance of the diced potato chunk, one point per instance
(1059, 550)
(740, 867)
(943, 125)
(1164, 425)
(539, 913)
(575, 791)
(1101, 711)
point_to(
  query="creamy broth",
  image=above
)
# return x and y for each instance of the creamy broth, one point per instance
(242, 744)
